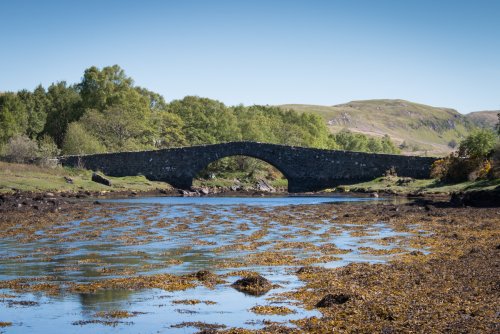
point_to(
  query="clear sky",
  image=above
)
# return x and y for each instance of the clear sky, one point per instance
(438, 52)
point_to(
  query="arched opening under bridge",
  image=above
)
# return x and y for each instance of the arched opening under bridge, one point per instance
(241, 173)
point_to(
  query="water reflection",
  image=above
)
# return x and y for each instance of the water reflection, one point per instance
(146, 236)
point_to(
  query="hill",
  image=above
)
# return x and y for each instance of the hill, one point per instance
(484, 119)
(419, 128)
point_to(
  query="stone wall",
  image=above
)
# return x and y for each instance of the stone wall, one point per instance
(307, 169)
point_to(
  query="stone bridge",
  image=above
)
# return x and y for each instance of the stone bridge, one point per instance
(307, 169)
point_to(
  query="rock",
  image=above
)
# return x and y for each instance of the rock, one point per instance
(264, 186)
(68, 180)
(253, 285)
(479, 198)
(235, 188)
(308, 270)
(416, 253)
(49, 195)
(101, 179)
(329, 300)
(186, 193)
(204, 191)
(207, 277)
(375, 195)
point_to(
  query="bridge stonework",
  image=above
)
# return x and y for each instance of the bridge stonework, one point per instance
(307, 169)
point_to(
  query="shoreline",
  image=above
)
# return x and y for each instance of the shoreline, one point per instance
(52, 201)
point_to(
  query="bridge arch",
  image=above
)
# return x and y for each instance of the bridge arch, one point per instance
(243, 167)
(266, 153)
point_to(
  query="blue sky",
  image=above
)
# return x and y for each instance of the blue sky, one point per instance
(442, 53)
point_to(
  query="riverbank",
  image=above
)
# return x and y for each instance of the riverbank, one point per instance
(26, 182)
(441, 275)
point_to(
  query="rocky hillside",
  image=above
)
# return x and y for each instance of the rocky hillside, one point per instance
(484, 119)
(418, 128)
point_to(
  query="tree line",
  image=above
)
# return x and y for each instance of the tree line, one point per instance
(106, 112)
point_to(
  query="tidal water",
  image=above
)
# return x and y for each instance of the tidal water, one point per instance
(177, 235)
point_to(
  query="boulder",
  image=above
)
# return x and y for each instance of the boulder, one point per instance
(255, 285)
(101, 179)
(264, 186)
(329, 300)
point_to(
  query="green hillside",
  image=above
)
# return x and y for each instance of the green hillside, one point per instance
(422, 129)
(484, 119)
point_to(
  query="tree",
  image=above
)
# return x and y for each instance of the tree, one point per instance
(78, 141)
(206, 121)
(104, 88)
(13, 117)
(36, 103)
(63, 108)
(478, 144)
(166, 130)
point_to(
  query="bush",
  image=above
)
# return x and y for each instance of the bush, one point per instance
(495, 163)
(477, 145)
(47, 150)
(475, 159)
(78, 141)
(21, 149)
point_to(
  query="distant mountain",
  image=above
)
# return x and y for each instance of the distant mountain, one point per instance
(419, 128)
(484, 119)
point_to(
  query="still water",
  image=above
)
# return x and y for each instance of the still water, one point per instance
(178, 235)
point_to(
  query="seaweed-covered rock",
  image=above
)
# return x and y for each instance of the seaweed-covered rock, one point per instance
(253, 285)
(206, 277)
(308, 270)
(329, 300)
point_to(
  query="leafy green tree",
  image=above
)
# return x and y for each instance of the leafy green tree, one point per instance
(388, 145)
(478, 144)
(100, 89)
(78, 141)
(36, 103)
(117, 128)
(374, 145)
(206, 121)
(63, 108)
(13, 117)
(166, 130)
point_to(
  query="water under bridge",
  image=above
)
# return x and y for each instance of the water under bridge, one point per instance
(307, 169)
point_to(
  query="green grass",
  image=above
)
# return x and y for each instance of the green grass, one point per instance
(425, 186)
(37, 179)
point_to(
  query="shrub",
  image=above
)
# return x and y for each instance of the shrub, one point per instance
(21, 149)
(79, 141)
(495, 163)
(47, 150)
(477, 145)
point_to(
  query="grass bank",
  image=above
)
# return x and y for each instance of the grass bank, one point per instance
(21, 177)
(404, 186)
(31, 178)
